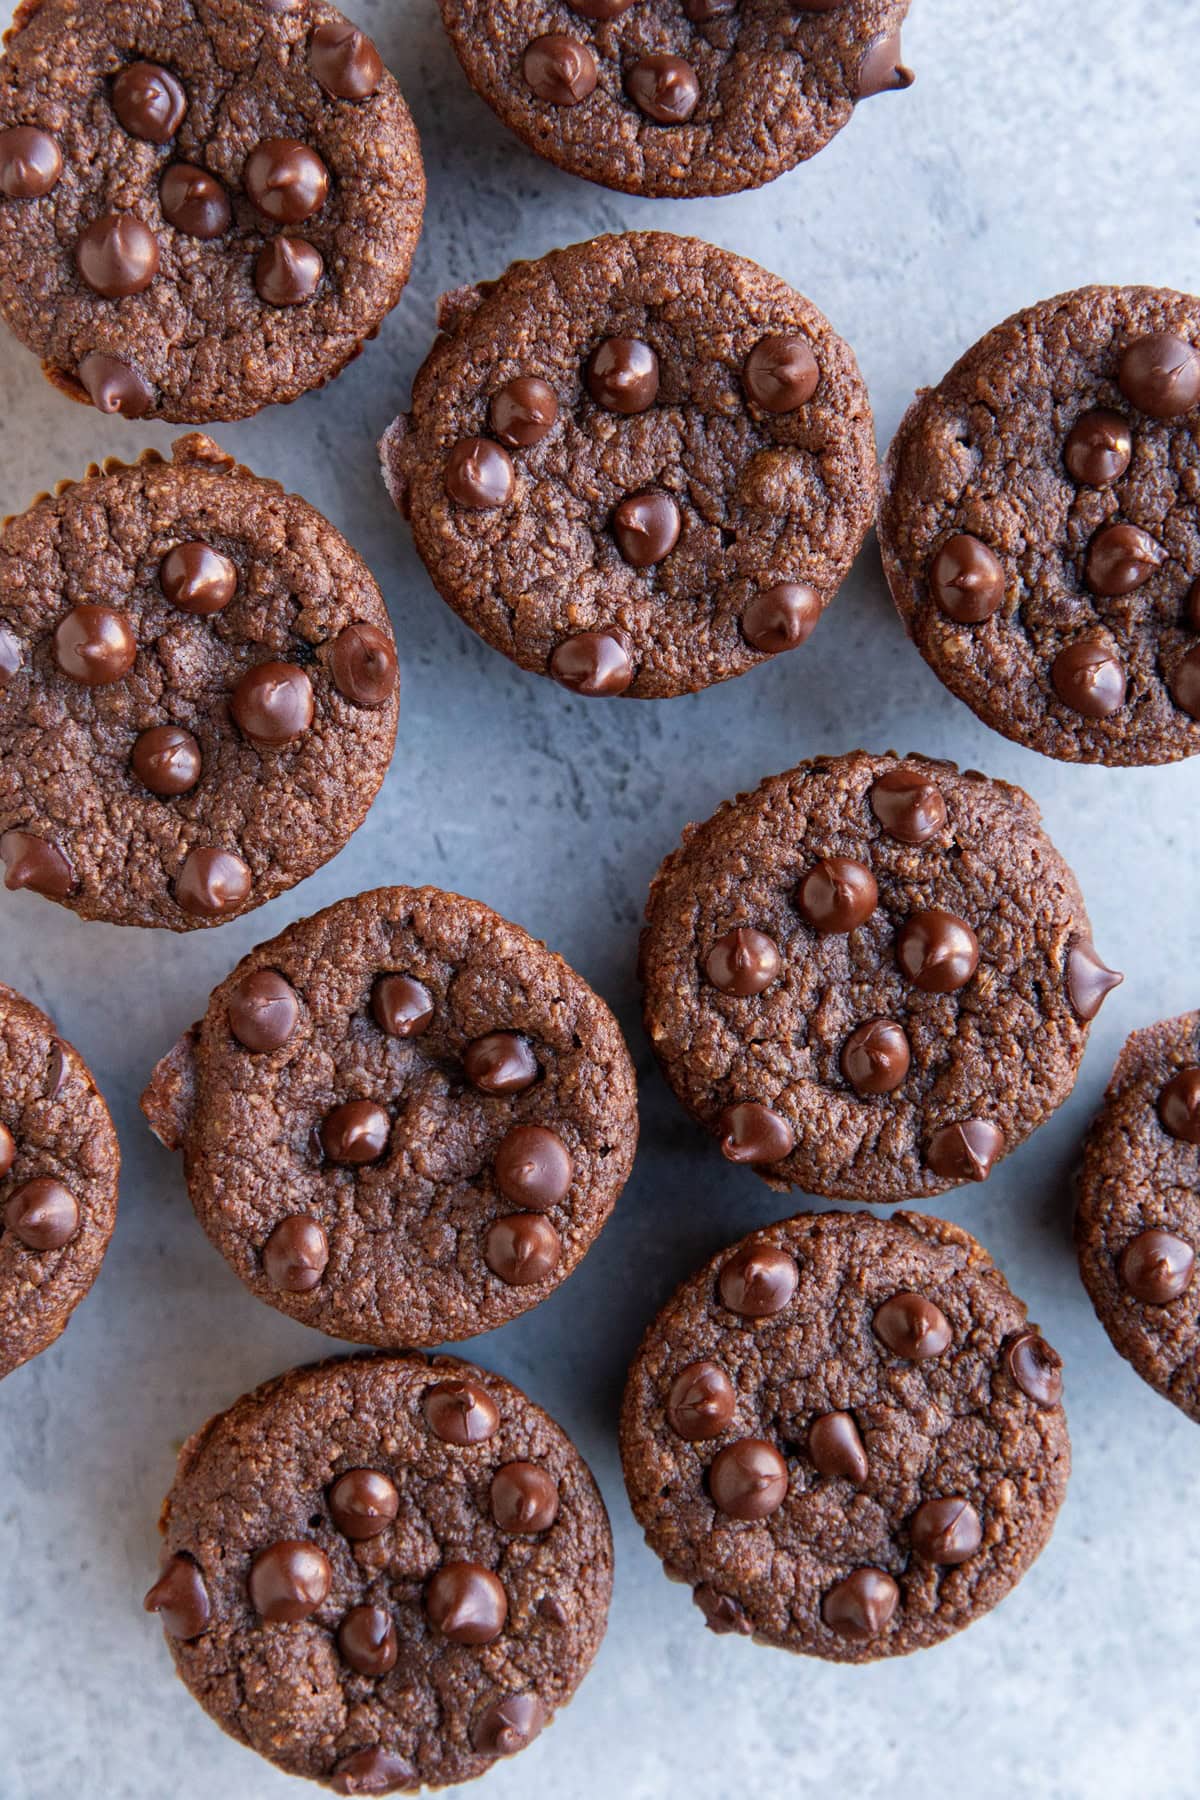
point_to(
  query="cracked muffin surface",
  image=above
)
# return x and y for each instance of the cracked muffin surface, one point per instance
(639, 465)
(1137, 1224)
(59, 1164)
(198, 691)
(844, 1435)
(403, 1120)
(660, 97)
(1040, 532)
(871, 977)
(206, 206)
(383, 1572)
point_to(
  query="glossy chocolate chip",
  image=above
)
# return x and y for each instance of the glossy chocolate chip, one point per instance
(8, 1150)
(212, 882)
(367, 1641)
(937, 951)
(508, 1725)
(114, 387)
(1089, 678)
(533, 1167)
(966, 580)
(272, 704)
(180, 1598)
(149, 102)
(362, 663)
(1099, 448)
(1156, 1267)
(967, 1150)
(286, 180)
(401, 1005)
(166, 760)
(837, 894)
(722, 1613)
(479, 474)
(1121, 558)
(42, 1214)
(296, 1255)
(355, 1133)
(861, 1606)
(363, 1503)
(781, 372)
(117, 255)
(345, 61)
(664, 87)
(1088, 980)
(523, 411)
(881, 70)
(289, 1580)
(908, 805)
(781, 617)
(1179, 1105)
(748, 1479)
(524, 1498)
(701, 1402)
(460, 1412)
(288, 271)
(33, 862)
(593, 663)
(194, 201)
(600, 9)
(1035, 1368)
(912, 1327)
(1160, 375)
(946, 1531)
(622, 375)
(263, 1011)
(559, 69)
(757, 1281)
(501, 1062)
(743, 962)
(466, 1603)
(836, 1447)
(753, 1133)
(522, 1248)
(1185, 683)
(876, 1057)
(373, 1771)
(94, 645)
(197, 579)
(646, 527)
(30, 163)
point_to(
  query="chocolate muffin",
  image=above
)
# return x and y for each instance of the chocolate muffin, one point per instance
(845, 1436)
(205, 205)
(639, 465)
(872, 977)
(384, 1572)
(703, 97)
(1137, 1226)
(1039, 526)
(403, 1120)
(59, 1163)
(198, 691)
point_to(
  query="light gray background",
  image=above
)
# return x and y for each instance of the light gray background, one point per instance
(1044, 145)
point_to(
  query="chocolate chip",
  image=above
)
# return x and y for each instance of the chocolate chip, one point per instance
(967, 580)
(1089, 678)
(646, 527)
(946, 1531)
(180, 1598)
(1099, 448)
(748, 1479)
(10, 656)
(286, 180)
(166, 759)
(524, 1498)
(401, 1005)
(622, 375)
(722, 1613)
(600, 9)
(1185, 683)
(149, 102)
(8, 1150)
(743, 962)
(758, 1281)
(295, 1255)
(263, 1011)
(194, 201)
(1088, 981)
(1121, 558)
(837, 894)
(522, 1248)
(752, 1133)
(356, 1132)
(559, 69)
(466, 1603)
(363, 1503)
(1191, 606)
(912, 1327)
(212, 882)
(366, 1639)
(702, 12)
(345, 61)
(1156, 1267)
(533, 1167)
(837, 1449)
(665, 88)
(968, 1150)
(42, 1213)
(289, 1580)
(881, 70)
(272, 704)
(288, 271)
(593, 663)
(781, 617)
(508, 1725)
(908, 805)
(117, 255)
(460, 1412)
(1160, 375)
(862, 1606)
(94, 645)
(523, 411)
(701, 1402)
(479, 474)
(197, 579)
(781, 373)
(876, 1057)
(500, 1063)
(1035, 1368)
(937, 951)
(56, 1070)
(30, 163)
(1179, 1106)
(362, 662)
(114, 387)
(31, 862)
(373, 1771)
